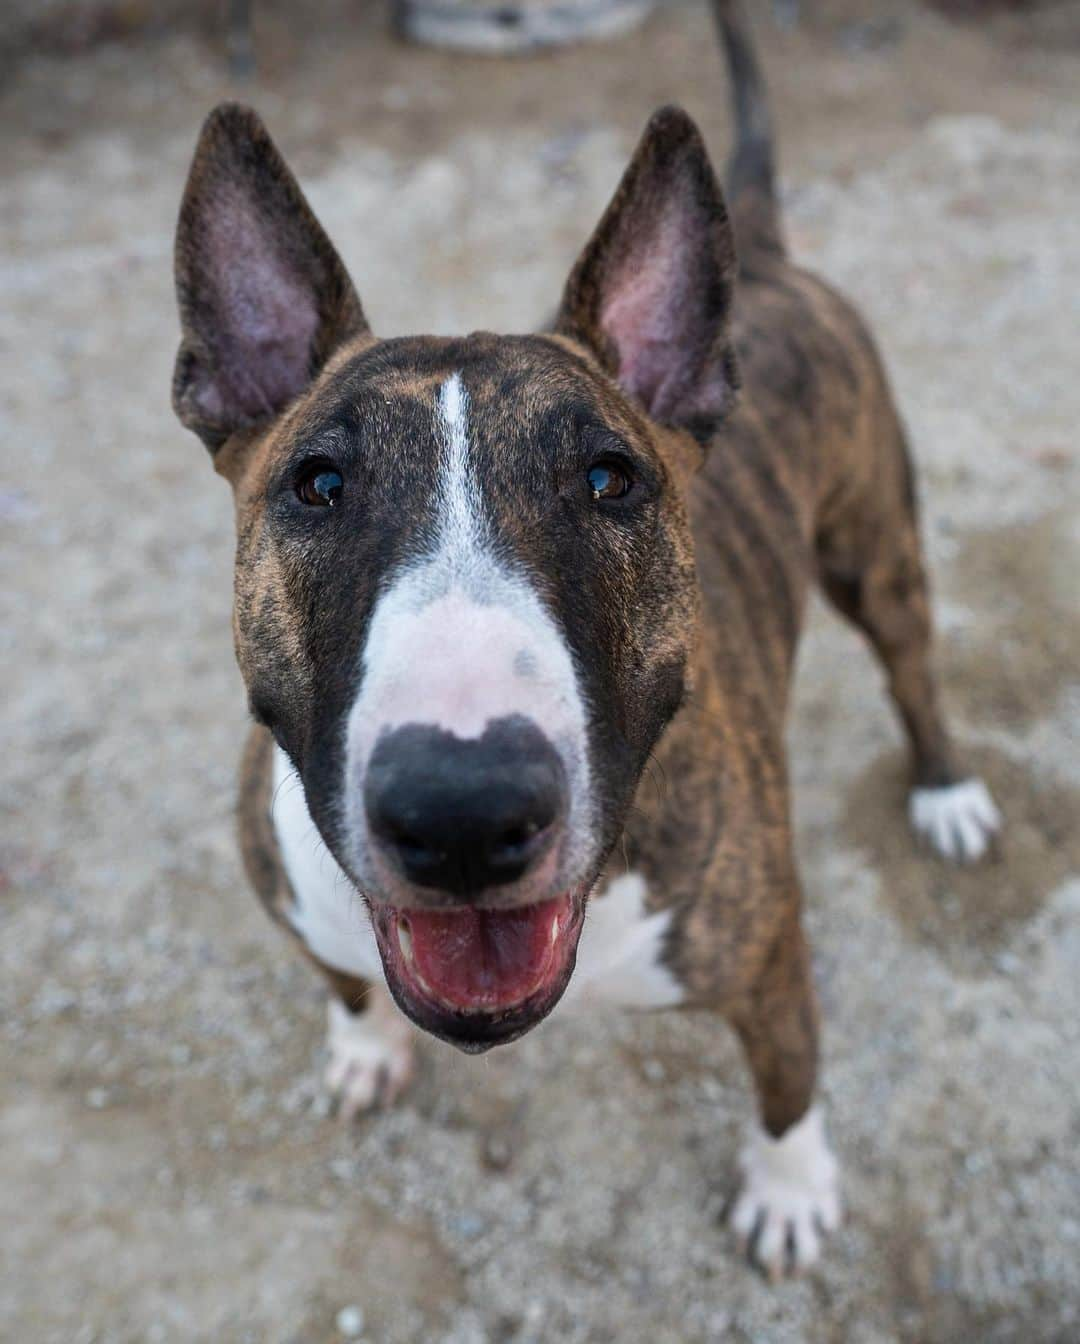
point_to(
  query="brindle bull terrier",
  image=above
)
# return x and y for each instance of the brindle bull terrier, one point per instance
(482, 582)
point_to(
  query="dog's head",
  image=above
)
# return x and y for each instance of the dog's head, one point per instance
(465, 591)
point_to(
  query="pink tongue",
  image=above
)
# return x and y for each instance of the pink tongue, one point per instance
(485, 958)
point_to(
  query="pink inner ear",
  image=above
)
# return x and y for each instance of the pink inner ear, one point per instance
(264, 316)
(655, 313)
(651, 305)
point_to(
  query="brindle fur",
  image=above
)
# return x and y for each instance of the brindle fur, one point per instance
(806, 474)
(810, 474)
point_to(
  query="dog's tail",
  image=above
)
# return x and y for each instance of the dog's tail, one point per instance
(751, 169)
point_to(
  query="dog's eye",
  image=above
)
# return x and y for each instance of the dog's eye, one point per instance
(319, 485)
(608, 480)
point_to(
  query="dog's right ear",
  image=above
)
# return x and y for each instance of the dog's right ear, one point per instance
(651, 294)
(264, 298)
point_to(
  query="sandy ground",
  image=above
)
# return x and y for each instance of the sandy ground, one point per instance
(167, 1167)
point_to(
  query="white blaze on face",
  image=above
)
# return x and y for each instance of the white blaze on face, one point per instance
(458, 640)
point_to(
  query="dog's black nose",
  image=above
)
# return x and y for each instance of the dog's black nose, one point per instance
(460, 815)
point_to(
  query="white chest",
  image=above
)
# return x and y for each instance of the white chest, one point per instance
(618, 962)
(328, 914)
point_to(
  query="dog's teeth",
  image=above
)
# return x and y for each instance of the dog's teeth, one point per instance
(405, 940)
(404, 937)
(554, 930)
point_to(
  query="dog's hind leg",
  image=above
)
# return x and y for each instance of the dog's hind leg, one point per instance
(789, 1193)
(872, 571)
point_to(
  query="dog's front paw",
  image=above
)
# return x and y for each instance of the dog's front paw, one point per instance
(371, 1055)
(789, 1197)
(958, 822)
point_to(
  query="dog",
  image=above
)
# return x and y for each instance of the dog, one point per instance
(481, 583)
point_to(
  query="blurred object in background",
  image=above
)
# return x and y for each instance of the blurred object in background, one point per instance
(240, 44)
(787, 12)
(496, 27)
(71, 26)
(502, 27)
(973, 8)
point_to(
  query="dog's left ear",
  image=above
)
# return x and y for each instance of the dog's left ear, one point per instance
(264, 298)
(651, 293)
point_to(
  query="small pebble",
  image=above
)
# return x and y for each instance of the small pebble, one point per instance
(467, 1225)
(350, 1322)
(1008, 963)
(344, 1168)
(497, 1152)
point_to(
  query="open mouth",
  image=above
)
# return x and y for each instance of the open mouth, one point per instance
(479, 977)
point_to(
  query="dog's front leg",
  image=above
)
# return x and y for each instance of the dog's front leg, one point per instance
(369, 1043)
(789, 1197)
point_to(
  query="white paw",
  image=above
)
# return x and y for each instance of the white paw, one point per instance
(371, 1054)
(958, 821)
(789, 1198)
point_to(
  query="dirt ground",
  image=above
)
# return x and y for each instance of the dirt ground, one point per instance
(167, 1166)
